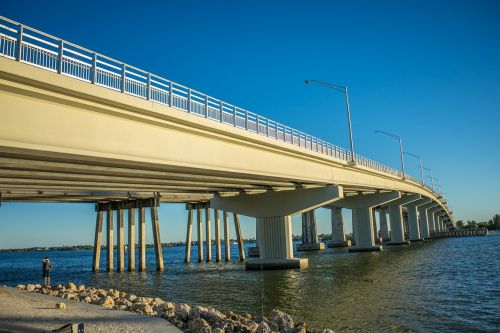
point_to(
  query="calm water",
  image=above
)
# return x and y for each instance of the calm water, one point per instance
(447, 285)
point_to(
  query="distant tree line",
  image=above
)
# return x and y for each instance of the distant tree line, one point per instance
(492, 224)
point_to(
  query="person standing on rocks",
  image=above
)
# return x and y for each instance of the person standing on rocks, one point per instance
(46, 266)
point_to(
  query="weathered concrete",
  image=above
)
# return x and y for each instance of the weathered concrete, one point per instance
(239, 236)
(309, 233)
(155, 223)
(120, 241)
(218, 254)
(338, 233)
(396, 219)
(227, 240)
(109, 243)
(208, 235)
(275, 245)
(131, 239)
(142, 239)
(189, 235)
(384, 228)
(97, 242)
(33, 312)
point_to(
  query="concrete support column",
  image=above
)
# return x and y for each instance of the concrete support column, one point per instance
(218, 255)
(430, 220)
(239, 237)
(436, 221)
(275, 245)
(406, 227)
(362, 224)
(200, 235)
(110, 259)
(338, 233)
(397, 229)
(131, 239)
(376, 237)
(155, 223)
(189, 233)
(120, 241)
(422, 218)
(309, 233)
(227, 240)
(384, 228)
(413, 225)
(97, 242)
(142, 239)
(208, 237)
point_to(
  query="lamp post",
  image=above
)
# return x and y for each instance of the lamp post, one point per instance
(397, 137)
(420, 160)
(342, 89)
(432, 178)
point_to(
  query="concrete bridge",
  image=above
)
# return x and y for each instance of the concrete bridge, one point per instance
(78, 126)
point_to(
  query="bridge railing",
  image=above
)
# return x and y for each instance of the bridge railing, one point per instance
(28, 45)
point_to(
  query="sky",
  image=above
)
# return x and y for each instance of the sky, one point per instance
(426, 70)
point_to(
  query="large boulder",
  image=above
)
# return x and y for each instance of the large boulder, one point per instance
(30, 287)
(182, 311)
(71, 286)
(21, 286)
(108, 302)
(211, 315)
(284, 321)
(263, 328)
(199, 325)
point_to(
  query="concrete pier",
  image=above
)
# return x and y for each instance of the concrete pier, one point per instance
(309, 233)
(239, 236)
(423, 220)
(338, 234)
(275, 245)
(97, 242)
(109, 243)
(189, 235)
(156, 238)
(218, 254)
(227, 240)
(396, 219)
(120, 241)
(131, 239)
(362, 217)
(200, 234)
(142, 239)
(413, 222)
(376, 236)
(384, 227)
(208, 235)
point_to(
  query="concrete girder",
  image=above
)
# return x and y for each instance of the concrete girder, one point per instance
(368, 200)
(284, 203)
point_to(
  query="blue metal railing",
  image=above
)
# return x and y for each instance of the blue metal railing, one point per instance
(31, 46)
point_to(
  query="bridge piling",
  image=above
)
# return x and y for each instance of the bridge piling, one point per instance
(396, 219)
(200, 234)
(189, 233)
(338, 234)
(218, 255)
(142, 239)
(227, 241)
(376, 237)
(309, 233)
(120, 241)
(97, 242)
(131, 239)
(110, 244)
(208, 239)
(155, 224)
(239, 237)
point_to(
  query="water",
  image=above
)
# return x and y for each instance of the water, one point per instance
(447, 285)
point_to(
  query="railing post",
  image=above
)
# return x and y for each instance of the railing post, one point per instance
(267, 127)
(234, 116)
(19, 52)
(170, 94)
(206, 106)
(148, 96)
(123, 78)
(246, 120)
(258, 124)
(61, 54)
(94, 68)
(221, 112)
(189, 101)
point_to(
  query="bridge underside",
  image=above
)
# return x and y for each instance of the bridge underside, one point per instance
(33, 176)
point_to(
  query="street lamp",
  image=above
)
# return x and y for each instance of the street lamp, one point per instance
(342, 89)
(432, 178)
(397, 137)
(420, 160)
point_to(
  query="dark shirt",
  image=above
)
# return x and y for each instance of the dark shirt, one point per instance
(47, 266)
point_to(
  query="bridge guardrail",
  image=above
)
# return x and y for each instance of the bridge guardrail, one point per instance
(31, 46)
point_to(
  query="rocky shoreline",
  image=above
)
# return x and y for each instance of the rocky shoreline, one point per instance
(192, 319)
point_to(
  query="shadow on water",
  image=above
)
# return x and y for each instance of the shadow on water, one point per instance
(447, 285)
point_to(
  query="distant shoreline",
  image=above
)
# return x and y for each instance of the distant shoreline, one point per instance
(90, 247)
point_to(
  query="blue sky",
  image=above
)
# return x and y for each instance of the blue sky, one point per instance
(427, 70)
